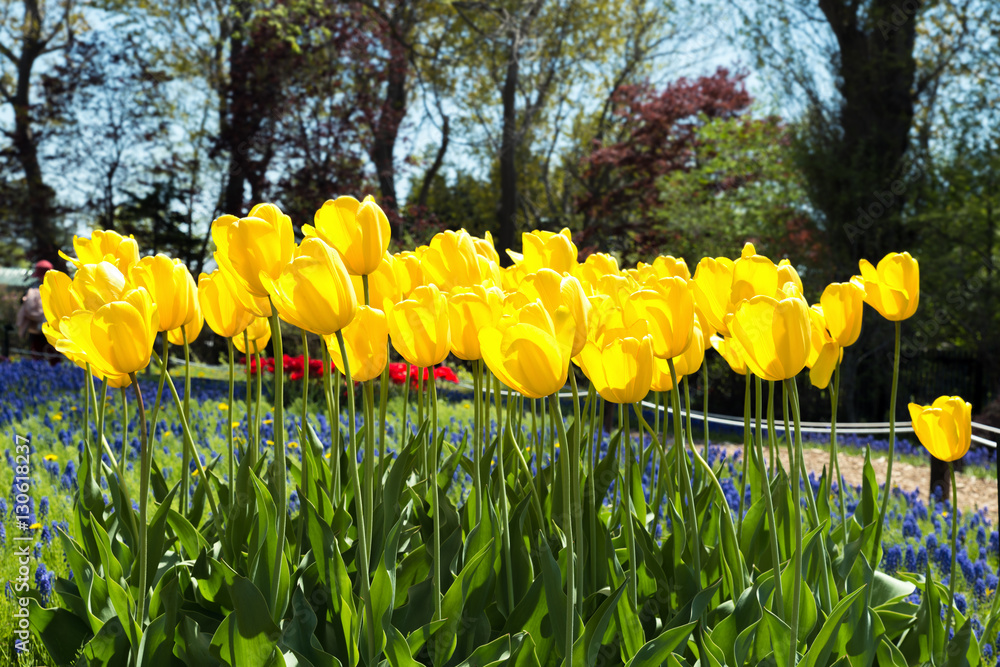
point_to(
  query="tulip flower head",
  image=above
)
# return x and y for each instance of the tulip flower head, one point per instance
(713, 286)
(366, 340)
(258, 334)
(775, 336)
(731, 350)
(109, 246)
(470, 309)
(893, 287)
(419, 327)
(383, 287)
(118, 338)
(753, 275)
(824, 352)
(622, 368)
(98, 284)
(529, 349)
(191, 330)
(260, 244)
(220, 304)
(360, 232)
(171, 287)
(668, 308)
(842, 305)
(944, 427)
(546, 250)
(687, 363)
(313, 291)
(451, 261)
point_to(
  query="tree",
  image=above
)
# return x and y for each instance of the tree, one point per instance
(655, 133)
(29, 31)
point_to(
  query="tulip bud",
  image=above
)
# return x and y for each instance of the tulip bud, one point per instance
(171, 287)
(419, 327)
(775, 336)
(260, 244)
(102, 246)
(843, 304)
(258, 334)
(944, 427)
(313, 292)
(359, 231)
(892, 288)
(366, 339)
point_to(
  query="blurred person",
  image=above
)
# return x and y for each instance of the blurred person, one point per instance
(31, 317)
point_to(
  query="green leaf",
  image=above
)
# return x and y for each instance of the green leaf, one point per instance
(824, 642)
(493, 654)
(656, 650)
(61, 631)
(586, 647)
(247, 636)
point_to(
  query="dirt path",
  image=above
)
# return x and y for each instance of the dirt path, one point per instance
(973, 492)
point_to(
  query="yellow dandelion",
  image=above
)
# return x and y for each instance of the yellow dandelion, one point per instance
(57, 417)
(51, 457)
(270, 442)
(293, 445)
(327, 455)
(35, 526)
(223, 406)
(236, 424)
(268, 421)
(195, 473)
(72, 408)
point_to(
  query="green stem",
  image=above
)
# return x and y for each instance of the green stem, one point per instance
(778, 608)
(255, 451)
(303, 442)
(747, 440)
(368, 461)
(232, 384)
(362, 553)
(568, 528)
(591, 457)
(249, 407)
(504, 519)
(102, 410)
(186, 407)
(954, 553)
(334, 419)
(633, 596)
(834, 460)
(877, 546)
(704, 401)
(280, 472)
(435, 493)
(797, 524)
(337, 447)
(145, 466)
(574, 460)
(383, 456)
(159, 390)
(772, 444)
(404, 425)
(477, 442)
(690, 427)
(682, 464)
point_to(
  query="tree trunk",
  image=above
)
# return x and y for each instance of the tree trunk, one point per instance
(387, 130)
(507, 217)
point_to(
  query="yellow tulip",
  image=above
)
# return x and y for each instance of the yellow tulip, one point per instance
(944, 427)
(731, 350)
(102, 246)
(118, 338)
(366, 339)
(419, 327)
(663, 266)
(486, 248)
(451, 261)
(98, 284)
(668, 308)
(313, 292)
(59, 300)
(260, 244)
(547, 250)
(893, 287)
(383, 287)
(843, 304)
(712, 286)
(222, 309)
(408, 272)
(469, 310)
(529, 349)
(753, 275)
(171, 287)
(258, 334)
(192, 329)
(359, 231)
(688, 363)
(554, 290)
(775, 336)
(622, 369)
(595, 267)
(788, 274)
(824, 352)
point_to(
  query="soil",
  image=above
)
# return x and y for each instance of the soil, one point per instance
(973, 492)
